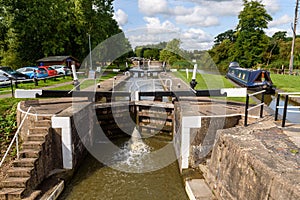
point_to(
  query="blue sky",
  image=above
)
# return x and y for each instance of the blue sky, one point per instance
(195, 22)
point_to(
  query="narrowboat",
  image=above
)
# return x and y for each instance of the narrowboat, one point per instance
(252, 79)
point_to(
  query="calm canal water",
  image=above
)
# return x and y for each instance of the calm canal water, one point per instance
(270, 100)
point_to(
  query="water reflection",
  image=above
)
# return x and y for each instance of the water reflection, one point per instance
(270, 100)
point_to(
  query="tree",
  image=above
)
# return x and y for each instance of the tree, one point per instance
(150, 50)
(251, 40)
(172, 52)
(227, 35)
(273, 47)
(53, 27)
(280, 35)
(220, 53)
(151, 53)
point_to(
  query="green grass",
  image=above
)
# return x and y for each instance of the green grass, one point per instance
(50, 82)
(210, 82)
(8, 103)
(286, 83)
(207, 81)
(41, 83)
(8, 124)
(85, 83)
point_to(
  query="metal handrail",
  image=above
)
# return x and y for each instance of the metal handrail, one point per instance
(285, 107)
(261, 105)
(15, 138)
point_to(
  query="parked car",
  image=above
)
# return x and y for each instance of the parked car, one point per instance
(4, 81)
(29, 71)
(50, 70)
(10, 73)
(61, 69)
(3, 78)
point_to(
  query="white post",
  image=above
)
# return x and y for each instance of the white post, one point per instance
(149, 64)
(187, 73)
(194, 72)
(67, 150)
(75, 79)
(188, 122)
(74, 72)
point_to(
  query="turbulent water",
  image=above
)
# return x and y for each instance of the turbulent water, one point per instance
(96, 181)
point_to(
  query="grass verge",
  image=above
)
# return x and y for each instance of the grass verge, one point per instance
(8, 124)
(286, 83)
(211, 82)
(41, 83)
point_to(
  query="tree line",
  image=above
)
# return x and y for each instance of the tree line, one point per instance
(250, 46)
(33, 29)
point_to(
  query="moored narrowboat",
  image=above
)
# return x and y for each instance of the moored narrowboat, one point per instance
(252, 79)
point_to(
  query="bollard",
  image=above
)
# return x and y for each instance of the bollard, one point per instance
(246, 111)
(276, 108)
(285, 110)
(76, 83)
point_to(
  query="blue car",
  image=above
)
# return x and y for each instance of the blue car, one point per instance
(29, 71)
(12, 74)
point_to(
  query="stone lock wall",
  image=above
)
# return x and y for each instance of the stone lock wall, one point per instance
(254, 163)
(203, 139)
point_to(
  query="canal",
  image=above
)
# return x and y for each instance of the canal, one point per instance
(95, 180)
(270, 101)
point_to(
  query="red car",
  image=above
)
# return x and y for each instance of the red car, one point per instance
(50, 70)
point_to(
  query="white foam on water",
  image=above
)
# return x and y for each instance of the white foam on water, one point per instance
(133, 153)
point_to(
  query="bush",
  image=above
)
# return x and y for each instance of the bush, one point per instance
(182, 64)
(8, 126)
(278, 64)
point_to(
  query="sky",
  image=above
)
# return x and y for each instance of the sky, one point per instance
(195, 22)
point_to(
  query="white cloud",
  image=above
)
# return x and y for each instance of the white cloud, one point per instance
(121, 17)
(153, 23)
(197, 19)
(196, 39)
(270, 32)
(285, 19)
(157, 31)
(153, 7)
(271, 6)
(203, 13)
(168, 19)
(222, 8)
(196, 34)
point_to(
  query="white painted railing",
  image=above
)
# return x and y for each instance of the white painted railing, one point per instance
(285, 107)
(261, 105)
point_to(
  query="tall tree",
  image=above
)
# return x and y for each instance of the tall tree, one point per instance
(251, 40)
(273, 47)
(229, 35)
(55, 27)
(172, 52)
